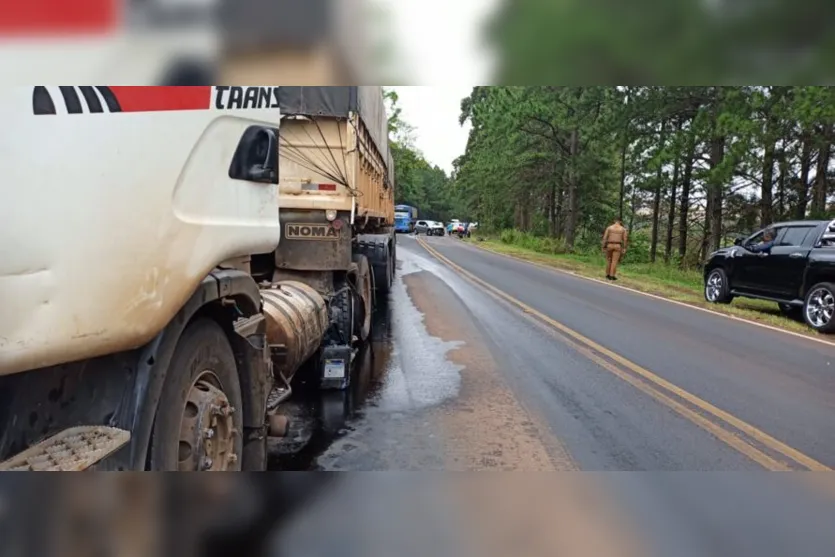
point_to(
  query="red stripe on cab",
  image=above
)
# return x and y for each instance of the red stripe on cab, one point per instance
(154, 99)
(59, 17)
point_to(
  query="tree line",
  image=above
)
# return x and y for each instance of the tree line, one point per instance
(685, 167)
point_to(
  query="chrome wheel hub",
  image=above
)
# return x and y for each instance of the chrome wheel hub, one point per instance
(820, 307)
(713, 288)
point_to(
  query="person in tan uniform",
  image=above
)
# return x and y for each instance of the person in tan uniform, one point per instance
(614, 246)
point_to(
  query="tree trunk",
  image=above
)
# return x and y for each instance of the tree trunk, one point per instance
(803, 183)
(685, 197)
(716, 187)
(573, 201)
(820, 187)
(705, 249)
(656, 201)
(671, 214)
(552, 209)
(623, 172)
(656, 212)
(766, 196)
(558, 225)
(782, 164)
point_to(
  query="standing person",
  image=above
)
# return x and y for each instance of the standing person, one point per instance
(614, 246)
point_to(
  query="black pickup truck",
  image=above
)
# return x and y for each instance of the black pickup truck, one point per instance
(796, 270)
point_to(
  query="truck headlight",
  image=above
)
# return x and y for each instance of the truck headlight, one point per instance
(330, 214)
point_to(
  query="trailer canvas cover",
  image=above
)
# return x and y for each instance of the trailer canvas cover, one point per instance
(339, 102)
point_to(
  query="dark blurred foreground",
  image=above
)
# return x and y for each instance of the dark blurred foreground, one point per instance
(404, 514)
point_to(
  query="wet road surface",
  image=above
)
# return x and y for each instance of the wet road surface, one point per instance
(494, 364)
(733, 379)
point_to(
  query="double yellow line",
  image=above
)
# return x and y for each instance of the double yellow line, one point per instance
(750, 441)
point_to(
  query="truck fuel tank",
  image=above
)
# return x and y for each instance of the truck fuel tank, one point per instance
(297, 319)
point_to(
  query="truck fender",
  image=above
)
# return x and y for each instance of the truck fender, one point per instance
(123, 389)
(815, 274)
(152, 368)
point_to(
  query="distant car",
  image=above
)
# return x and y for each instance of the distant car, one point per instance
(422, 226)
(436, 229)
(456, 227)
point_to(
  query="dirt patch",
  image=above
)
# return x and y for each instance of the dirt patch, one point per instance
(485, 428)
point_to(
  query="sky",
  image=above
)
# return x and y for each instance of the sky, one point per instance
(438, 44)
(433, 112)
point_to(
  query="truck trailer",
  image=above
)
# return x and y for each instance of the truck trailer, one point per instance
(173, 257)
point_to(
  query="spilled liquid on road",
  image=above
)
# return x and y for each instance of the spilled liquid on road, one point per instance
(381, 422)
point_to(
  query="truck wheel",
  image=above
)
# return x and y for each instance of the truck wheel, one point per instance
(381, 257)
(392, 259)
(717, 290)
(199, 419)
(344, 306)
(366, 290)
(819, 308)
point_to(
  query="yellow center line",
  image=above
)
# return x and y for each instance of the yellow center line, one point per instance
(729, 438)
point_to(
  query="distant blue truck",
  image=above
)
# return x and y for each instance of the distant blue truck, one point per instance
(404, 218)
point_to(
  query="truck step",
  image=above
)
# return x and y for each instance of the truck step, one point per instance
(71, 450)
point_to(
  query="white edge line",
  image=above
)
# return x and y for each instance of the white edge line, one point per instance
(831, 344)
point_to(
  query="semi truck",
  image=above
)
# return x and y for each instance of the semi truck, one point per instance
(405, 217)
(174, 258)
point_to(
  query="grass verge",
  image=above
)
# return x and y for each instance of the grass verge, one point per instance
(659, 279)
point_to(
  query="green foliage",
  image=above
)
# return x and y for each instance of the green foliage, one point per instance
(647, 41)
(560, 163)
(529, 241)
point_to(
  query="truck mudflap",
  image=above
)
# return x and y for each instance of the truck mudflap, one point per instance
(335, 367)
(72, 450)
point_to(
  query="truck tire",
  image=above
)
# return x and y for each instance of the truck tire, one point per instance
(819, 307)
(381, 258)
(199, 419)
(365, 286)
(343, 307)
(717, 289)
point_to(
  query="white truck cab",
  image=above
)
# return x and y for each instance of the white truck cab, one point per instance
(96, 178)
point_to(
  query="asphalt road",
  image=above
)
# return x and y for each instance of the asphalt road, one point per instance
(780, 384)
(482, 362)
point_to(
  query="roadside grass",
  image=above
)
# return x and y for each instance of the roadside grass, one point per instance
(659, 279)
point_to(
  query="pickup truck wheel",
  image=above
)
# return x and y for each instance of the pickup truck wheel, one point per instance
(819, 309)
(716, 287)
(199, 419)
